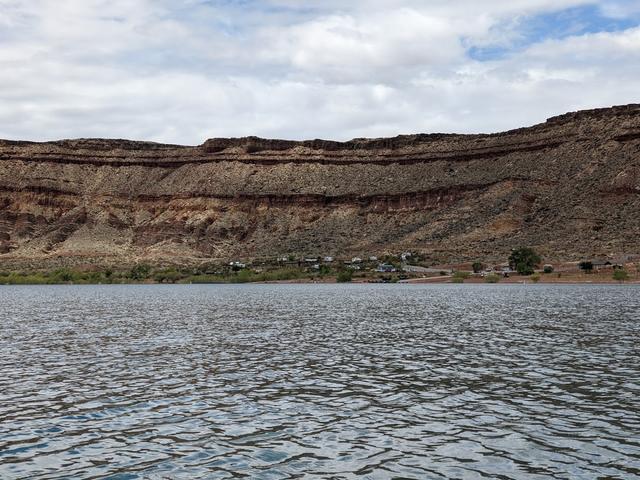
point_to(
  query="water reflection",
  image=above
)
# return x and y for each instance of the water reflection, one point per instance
(320, 381)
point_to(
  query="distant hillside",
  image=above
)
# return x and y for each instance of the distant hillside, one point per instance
(569, 187)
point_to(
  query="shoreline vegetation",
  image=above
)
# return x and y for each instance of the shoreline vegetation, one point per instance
(79, 278)
(524, 266)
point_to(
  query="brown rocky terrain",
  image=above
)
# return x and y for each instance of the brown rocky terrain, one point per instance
(569, 187)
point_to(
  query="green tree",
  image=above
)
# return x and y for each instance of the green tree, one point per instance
(477, 267)
(324, 270)
(620, 275)
(139, 272)
(524, 260)
(344, 276)
(63, 275)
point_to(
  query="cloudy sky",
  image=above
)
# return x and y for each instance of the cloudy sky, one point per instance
(181, 71)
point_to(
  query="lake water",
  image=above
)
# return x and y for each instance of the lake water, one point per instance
(320, 381)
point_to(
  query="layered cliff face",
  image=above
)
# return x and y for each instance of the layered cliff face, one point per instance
(569, 187)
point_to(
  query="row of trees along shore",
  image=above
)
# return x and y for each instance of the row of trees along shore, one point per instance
(525, 260)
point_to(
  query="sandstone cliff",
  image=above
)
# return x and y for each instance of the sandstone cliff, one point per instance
(569, 187)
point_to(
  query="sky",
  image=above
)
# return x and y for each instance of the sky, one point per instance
(182, 71)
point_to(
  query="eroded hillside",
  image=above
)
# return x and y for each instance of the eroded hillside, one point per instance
(570, 187)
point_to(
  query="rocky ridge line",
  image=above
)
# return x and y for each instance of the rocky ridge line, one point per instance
(568, 186)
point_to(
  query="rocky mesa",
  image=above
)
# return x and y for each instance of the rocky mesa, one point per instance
(570, 187)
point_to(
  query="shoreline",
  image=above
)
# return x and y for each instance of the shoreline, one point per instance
(436, 281)
(143, 274)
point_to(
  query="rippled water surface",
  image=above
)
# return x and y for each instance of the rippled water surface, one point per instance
(320, 381)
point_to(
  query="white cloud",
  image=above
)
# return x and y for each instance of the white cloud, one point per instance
(185, 71)
(621, 8)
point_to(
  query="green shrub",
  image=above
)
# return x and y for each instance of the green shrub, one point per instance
(457, 280)
(243, 276)
(324, 270)
(535, 278)
(140, 272)
(14, 278)
(462, 275)
(548, 269)
(169, 275)
(281, 274)
(492, 278)
(620, 275)
(63, 275)
(344, 276)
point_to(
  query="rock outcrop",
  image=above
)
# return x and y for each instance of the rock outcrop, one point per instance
(569, 187)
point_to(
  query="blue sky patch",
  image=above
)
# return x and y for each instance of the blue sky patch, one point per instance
(555, 25)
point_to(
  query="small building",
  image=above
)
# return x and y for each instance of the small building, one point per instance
(328, 259)
(373, 258)
(619, 262)
(310, 260)
(385, 268)
(356, 260)
(605, 263)
(405, 255)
